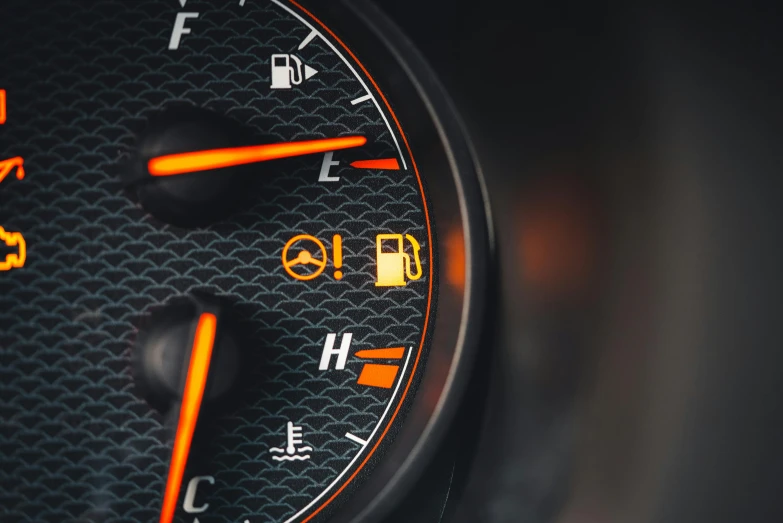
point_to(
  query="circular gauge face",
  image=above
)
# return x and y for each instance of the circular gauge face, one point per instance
(230, 291)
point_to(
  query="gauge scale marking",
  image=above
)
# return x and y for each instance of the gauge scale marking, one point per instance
(332, 360)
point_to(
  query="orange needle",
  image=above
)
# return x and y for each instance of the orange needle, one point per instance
(185, 163)
(188, 415)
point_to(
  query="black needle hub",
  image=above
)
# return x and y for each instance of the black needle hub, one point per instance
(196, 199)
(163, 349)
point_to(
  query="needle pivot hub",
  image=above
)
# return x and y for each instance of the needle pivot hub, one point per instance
(192, 166)
(164, 347)
(200, 198)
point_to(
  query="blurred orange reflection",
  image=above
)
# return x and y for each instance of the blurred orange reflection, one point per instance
(557, 238)
(455, 258)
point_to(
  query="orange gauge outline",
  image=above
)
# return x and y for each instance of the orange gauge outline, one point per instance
(429, 246)
(300, 259)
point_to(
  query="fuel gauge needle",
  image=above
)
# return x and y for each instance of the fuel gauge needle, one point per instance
(196, 380)
(190, 162)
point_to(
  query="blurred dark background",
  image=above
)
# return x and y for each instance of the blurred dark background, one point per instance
(633, 162)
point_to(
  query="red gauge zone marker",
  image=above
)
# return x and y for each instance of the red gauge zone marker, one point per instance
(383, 164)
(376, 374)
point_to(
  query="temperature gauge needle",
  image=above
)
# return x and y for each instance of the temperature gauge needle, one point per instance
(196, 161)
(196, 380)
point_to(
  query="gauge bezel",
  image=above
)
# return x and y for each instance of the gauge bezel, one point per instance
(457, 201)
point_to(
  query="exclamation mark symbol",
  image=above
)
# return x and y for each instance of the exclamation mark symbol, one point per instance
(337, 243)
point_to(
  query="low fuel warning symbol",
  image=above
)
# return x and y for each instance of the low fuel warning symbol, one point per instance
(393, 264)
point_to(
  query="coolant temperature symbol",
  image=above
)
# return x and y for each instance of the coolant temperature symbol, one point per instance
(292, 452)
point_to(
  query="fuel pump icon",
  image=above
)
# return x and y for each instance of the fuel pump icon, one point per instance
(394, 266)
(288, 70)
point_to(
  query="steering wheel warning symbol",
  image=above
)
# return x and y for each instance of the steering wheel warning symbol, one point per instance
(305, 257)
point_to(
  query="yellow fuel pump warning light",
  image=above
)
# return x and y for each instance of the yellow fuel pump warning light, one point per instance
(394, 266)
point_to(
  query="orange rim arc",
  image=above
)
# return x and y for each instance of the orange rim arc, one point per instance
(429, 238)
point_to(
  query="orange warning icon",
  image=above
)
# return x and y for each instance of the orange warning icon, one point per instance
(395, 265)
(310, 251)
(2, 107)
(13, 261)
(6, 166)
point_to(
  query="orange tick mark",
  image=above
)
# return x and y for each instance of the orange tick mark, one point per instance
(381, 376)
(385, 164)
(395, 353)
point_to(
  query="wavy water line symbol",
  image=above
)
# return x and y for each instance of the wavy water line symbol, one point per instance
(291, 458)
(291, 451)
(280, 450)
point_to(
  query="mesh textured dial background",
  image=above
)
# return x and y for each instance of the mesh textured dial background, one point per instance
(76, 441)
